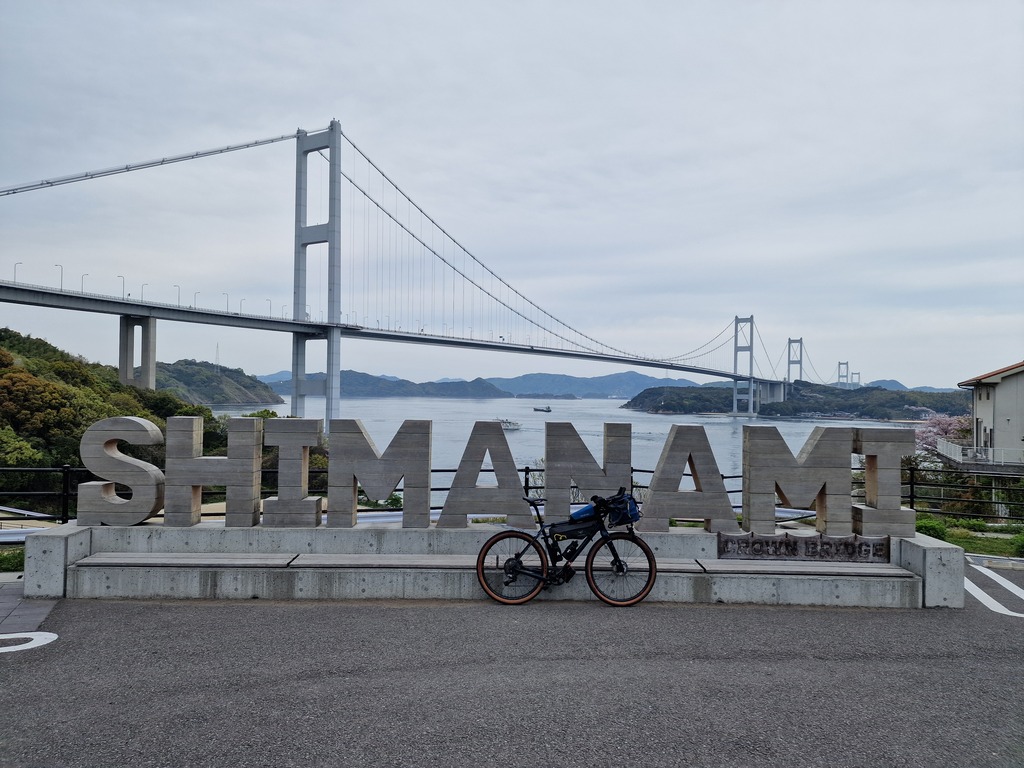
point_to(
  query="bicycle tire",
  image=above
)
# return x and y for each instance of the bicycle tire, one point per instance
(621, 569)
(512, 567)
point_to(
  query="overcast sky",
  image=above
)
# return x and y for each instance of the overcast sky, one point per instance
(848, 172)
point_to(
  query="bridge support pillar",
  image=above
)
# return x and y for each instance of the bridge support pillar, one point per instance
(126, 353)
(306, 234)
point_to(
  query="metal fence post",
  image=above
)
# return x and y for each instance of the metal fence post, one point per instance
(65, 493)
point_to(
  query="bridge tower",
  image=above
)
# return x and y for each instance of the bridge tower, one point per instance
(795, 358)
(738, 349)
(328, 232)
(843, 378)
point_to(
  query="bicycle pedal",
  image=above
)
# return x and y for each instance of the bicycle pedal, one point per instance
(567, 573)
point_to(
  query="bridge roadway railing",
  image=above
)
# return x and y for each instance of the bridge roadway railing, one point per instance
(768, 390)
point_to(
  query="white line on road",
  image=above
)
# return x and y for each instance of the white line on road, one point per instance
(1004, 583)
(35, 639)
(988, 602)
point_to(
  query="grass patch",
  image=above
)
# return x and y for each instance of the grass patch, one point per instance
(981, 545)
(12, 559)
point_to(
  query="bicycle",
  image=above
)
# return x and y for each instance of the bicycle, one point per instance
(513, 566)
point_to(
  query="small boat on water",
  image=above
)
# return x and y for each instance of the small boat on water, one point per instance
(545, 409)
(508, 425)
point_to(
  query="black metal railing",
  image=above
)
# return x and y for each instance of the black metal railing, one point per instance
(51, 493)
(965, 494)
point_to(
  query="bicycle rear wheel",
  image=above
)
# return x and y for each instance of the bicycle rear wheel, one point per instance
(621, 569)
(512, 567)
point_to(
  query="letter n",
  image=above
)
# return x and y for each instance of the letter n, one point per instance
(98, 504)
(354, 462)
(820, 478)
(567, 459)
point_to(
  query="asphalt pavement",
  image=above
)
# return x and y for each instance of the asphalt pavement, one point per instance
(444, 683)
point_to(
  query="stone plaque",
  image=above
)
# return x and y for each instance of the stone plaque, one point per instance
(787, 546)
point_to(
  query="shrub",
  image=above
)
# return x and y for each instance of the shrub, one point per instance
(970, 524)
(1018, 545)
(12, 559)
(931, 527)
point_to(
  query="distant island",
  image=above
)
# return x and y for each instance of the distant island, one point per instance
(195, 381)
(807, 400)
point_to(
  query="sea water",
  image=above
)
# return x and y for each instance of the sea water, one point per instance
(453, 421)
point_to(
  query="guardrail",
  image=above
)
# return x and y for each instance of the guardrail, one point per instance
(968, 454)
(965, 493)
(959, 493)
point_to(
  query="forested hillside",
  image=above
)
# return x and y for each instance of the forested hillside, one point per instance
(48, 398)
(195, 381)
(808, 400)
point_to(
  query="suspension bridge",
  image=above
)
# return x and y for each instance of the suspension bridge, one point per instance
(395, 275)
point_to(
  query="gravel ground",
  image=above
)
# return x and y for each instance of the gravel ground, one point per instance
(410, 683)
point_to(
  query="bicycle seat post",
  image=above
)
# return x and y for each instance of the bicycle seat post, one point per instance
(535, 506)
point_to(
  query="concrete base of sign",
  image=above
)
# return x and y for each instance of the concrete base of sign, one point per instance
(210, 561)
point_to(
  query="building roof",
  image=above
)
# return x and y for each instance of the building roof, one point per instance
(995, 376)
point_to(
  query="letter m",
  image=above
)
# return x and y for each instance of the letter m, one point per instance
(819, 478)
(354, 462)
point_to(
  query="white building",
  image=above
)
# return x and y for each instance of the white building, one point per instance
(998, 416)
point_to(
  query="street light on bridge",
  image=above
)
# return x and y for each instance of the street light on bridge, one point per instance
(142, 292)
(227, 303)
(16, 270)
(83, 281)
(195, 300)
(240, 303)
(179, 294)
(61, 268)
(122, 285)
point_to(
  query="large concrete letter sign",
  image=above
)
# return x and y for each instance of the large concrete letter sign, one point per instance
(292, 507)
(355, 461)
(566, 459)
(505, 497)
(188, 471)
(819, 478)
(687, 447)
(884, 513)
(97, 502)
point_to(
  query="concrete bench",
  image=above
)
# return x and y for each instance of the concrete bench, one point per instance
(344, 576)
(212, 562)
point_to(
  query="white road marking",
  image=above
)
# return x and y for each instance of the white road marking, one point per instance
(1004, 583)
(35, 639)
(988, 602)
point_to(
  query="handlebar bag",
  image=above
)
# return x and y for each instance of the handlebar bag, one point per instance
(623, 510)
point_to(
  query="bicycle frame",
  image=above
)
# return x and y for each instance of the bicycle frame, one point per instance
(561, 570)
(515, 565)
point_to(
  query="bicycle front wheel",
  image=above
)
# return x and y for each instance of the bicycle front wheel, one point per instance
(512, 567)
(621, 569)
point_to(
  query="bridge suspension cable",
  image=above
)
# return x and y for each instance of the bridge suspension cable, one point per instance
(821, 380)
(704, 349)
(395, 271)
(574, 335)
(87, 175)
(768, 358)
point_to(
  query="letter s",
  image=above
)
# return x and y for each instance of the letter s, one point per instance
(98, 504)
